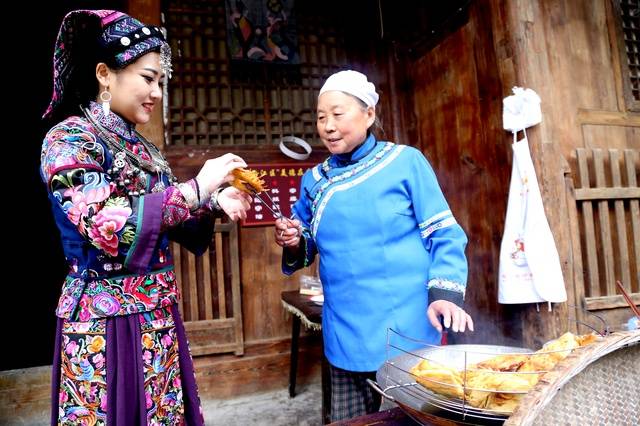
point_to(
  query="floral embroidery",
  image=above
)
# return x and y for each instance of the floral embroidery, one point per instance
(175, 209)
(83, 390)
(101, 298)
(104, 227)
(83, 382)
(162, 384)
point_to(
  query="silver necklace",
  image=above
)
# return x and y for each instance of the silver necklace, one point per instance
(122, 155)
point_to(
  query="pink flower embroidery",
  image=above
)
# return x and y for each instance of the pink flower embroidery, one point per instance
(105, 226)
(166, 340)
(98, 361)
(81, 198)
(83, 309)
(148, 400)
(72, 348)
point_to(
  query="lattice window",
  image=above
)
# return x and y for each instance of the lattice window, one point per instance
(627, 17)
(630, 11)
(213, 101)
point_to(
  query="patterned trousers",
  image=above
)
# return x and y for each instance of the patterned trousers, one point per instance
(351, 395)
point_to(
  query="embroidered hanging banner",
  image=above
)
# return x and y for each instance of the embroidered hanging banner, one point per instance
(262, 31)
(283, 181)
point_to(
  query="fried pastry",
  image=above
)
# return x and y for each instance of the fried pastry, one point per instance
(247, 180)
(439, 378)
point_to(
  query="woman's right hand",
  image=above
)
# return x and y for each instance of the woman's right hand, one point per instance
(288, 232)
(217, 171)
(234, 203)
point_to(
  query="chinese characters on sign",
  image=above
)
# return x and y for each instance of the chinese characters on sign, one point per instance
(283, 183)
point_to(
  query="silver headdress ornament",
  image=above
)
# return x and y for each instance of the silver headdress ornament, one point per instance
(165, 59)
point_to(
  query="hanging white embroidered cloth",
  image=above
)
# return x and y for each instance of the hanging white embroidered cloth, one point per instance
(530, 270)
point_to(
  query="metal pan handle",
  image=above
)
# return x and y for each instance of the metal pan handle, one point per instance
(378, 389)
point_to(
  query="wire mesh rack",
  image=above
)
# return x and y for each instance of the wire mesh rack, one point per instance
(462, 391)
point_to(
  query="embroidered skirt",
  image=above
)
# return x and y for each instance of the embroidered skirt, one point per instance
(125, 370)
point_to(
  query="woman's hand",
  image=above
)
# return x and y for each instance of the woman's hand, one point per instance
(288, 232)
(234, 203)
(453, 316)
(217, 171)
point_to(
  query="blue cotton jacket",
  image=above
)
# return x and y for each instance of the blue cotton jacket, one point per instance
(388, 246)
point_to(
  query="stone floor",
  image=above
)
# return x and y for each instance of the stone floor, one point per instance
(273, 408)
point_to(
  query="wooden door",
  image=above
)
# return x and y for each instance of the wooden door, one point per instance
(210, 289)
(606, 231)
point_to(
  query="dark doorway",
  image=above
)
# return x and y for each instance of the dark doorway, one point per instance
(34, 261)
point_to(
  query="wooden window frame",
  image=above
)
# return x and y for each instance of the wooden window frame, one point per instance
(618, 44)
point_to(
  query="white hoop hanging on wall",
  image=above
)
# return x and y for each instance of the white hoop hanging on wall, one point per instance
(293, 154)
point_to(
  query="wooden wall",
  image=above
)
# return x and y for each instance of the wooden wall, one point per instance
(448, 102)
(568, 51)
(564, 50)
(456, 107)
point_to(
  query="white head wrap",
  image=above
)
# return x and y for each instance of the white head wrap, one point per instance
(353, 83)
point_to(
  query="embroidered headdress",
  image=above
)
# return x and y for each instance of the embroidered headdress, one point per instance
(117, 38)
(353, 83)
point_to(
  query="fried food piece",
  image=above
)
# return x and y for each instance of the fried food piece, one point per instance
(439, 378)
(586, 339)
(482, 386)
(502, 363)
(498, 383)
(247, 180)
(551, 353)
(503, 402)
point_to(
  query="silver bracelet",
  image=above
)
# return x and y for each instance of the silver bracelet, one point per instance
(213, 200)
(189, 195)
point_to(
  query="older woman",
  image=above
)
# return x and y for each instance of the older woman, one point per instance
(392, 253)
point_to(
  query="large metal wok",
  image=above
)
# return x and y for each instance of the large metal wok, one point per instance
(394, 382)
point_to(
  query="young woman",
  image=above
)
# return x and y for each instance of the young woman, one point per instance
(121, 355)
(392, 253)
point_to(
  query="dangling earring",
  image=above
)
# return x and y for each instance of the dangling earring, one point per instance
(105, 97)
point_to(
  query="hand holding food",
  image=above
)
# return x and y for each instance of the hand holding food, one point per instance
(217, 171)
(288, 232)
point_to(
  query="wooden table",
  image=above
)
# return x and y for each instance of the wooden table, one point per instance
(306, 312)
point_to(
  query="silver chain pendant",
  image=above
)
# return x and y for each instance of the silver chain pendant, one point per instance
(158, 187)
(119, 161)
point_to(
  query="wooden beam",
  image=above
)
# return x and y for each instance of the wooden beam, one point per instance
(634, 207)
(620, 222)
(608, 118)
(589, 228)
(610, 302)
(609, 193)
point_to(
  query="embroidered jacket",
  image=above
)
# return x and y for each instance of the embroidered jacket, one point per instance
(388, 244)
(115, 230)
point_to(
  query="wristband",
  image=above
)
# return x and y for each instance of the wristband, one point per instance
(189, 195)
(213, 201)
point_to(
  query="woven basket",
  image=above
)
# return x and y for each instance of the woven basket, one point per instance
(599, 385)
